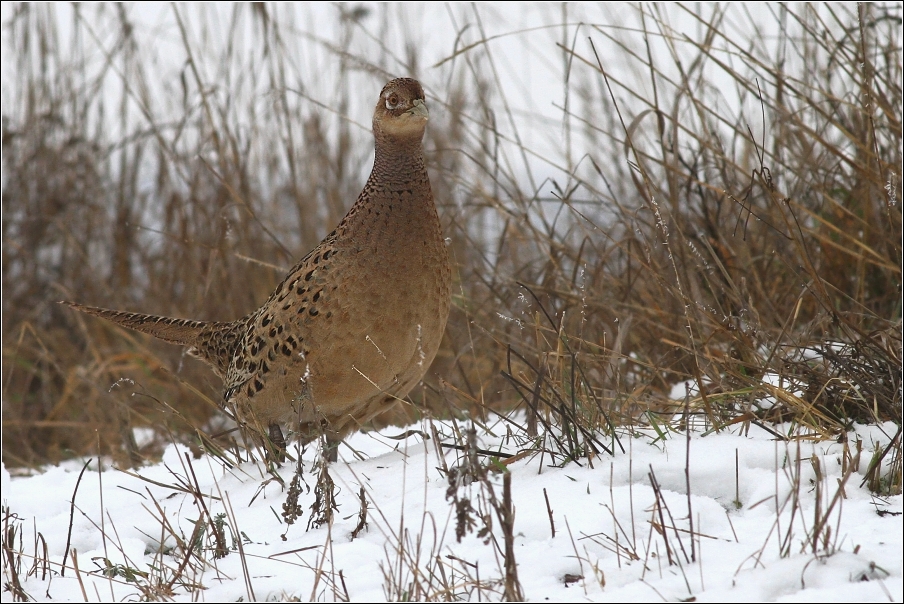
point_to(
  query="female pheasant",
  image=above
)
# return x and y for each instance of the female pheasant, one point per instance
(356, 323)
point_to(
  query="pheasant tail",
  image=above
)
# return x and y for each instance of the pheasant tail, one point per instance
(211, 341)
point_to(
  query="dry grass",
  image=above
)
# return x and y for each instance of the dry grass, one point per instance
(688, 237)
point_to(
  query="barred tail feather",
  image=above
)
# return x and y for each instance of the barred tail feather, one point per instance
(209, 340)
(175, 331)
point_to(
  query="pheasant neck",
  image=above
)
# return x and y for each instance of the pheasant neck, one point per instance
(399, 162)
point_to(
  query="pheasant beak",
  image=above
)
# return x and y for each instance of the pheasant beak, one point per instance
(419, 109)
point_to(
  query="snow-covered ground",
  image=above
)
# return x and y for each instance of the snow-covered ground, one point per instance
(751, 535)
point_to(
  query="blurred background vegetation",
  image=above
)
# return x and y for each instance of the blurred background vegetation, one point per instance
(716, 200)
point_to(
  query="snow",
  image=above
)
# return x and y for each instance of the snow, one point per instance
(602, 512)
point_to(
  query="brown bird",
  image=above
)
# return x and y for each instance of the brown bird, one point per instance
(356, 323)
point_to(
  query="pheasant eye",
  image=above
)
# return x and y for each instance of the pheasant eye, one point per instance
(392, 101)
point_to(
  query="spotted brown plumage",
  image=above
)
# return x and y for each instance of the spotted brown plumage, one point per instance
(356, 323)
